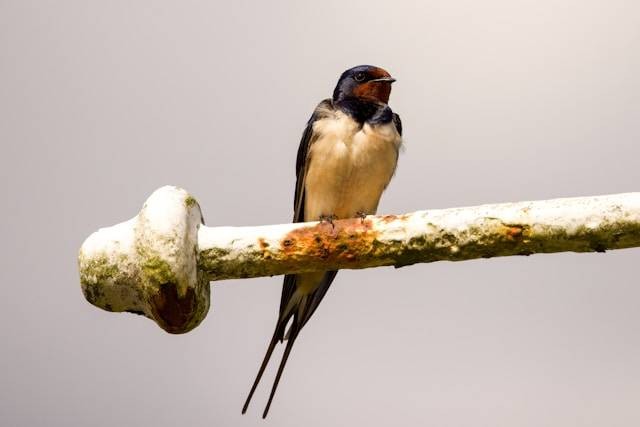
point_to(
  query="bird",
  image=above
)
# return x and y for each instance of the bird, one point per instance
(346, 158)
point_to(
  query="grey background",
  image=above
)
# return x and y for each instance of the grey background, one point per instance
(502, 100)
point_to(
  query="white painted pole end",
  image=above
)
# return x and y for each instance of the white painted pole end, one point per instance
(148, 265)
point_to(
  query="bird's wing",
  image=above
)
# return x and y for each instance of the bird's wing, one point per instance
(303, 311)
(398, 123)
(308, 138)
(324, 109)
(299, 310)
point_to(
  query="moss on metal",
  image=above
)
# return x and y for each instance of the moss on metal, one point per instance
(190, 201)
(357, 244)
(107, 283)
(157, 271)
(161, 266)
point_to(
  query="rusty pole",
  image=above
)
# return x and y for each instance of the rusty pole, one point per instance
(159, 263)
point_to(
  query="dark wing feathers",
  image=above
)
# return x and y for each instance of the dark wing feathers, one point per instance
(301, 161)
(307, 305)
(317, 296)
(398, 123)
(289, 284)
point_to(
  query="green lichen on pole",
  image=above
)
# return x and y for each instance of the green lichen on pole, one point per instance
(148, 265)
(160, 263)
(587, 224)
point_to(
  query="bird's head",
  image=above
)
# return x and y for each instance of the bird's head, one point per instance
(364, 82)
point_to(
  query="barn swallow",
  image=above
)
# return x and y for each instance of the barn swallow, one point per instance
(346, 158)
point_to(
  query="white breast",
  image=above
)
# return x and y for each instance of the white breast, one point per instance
(349, 166)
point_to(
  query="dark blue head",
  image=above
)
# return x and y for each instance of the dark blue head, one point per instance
(364, 82)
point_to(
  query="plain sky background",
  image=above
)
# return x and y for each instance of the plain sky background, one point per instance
(102, 102)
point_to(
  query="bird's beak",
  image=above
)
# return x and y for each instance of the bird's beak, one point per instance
(384, 79)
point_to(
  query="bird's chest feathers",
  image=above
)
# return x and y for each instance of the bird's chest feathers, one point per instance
(349, 166)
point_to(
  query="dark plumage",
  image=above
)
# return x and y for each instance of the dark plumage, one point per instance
(359, 101)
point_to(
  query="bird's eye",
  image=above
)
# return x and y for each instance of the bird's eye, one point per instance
(359, 77)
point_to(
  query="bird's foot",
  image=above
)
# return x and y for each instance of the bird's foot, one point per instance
(329, 219)
(362, 215)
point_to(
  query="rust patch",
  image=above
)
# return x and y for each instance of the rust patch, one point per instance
(346, 240)
(172, 313)
(516, 232)
(390, 218)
